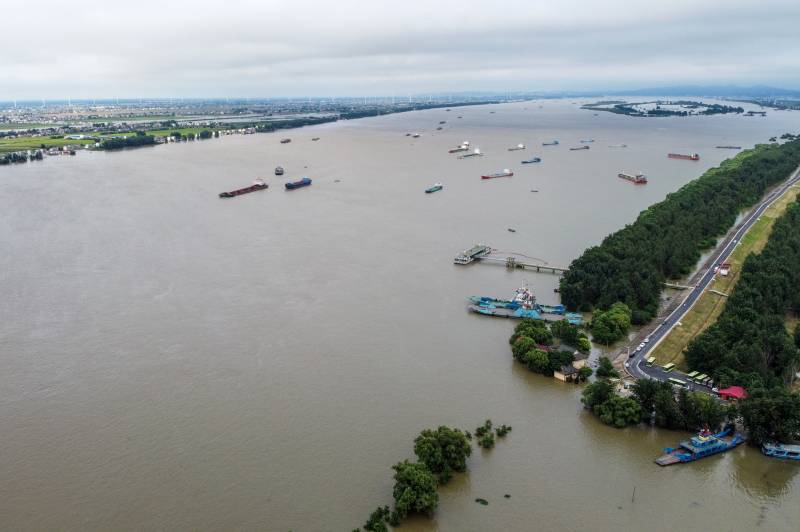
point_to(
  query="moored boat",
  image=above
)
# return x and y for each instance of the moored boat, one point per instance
(304, 182)
(279, 170)
(505, 173)
(701, 446)
(435, 188)
(532, 160)
(639, 179)
(782, 451)
(258, 184)
(691, 157)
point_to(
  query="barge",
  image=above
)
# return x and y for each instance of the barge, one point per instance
(505, 173)
(304, 182)
(691, 157)
(580, 148)
(517, 147)
(638, 179)
(551, 143)
(532, 160)
(258, 184)
(476, 153)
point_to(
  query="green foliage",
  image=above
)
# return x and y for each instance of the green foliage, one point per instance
(205, 134)
(611, 325)
(606, 369)
(484, 429)
(443, 451)
(666, 239)
(376, 521)
(584, 345)
(533, 329)
(771, 415)
(487, 440)
(537, 361)
(689, 411)
(502, 430)
(414, 490)
(117, 143)
(521, 346)
(584, 373)
(619, 411)
(596, 394)
(571, 335)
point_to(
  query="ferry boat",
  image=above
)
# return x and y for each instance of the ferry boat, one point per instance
(517, 147)
(779, 450)
(286, 141)
(700, 446)
(304, 182)
(692, 157)
(476, 153)
(279, 170)
(505, 173)
(475, 252)
(551, 143)
(532, 160)
(580, 148)
(435, 188)
(639, 179)
(258, 184)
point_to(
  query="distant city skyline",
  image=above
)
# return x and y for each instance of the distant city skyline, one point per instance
(348, 48)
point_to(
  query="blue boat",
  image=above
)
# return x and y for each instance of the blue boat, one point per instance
(298, 184)
(551, 143)
(779, 450)
(519, 313)
(532, 160)
(701, 446)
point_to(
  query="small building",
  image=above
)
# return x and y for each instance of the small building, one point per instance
(580, 359)
(733, 393)
(566, 373)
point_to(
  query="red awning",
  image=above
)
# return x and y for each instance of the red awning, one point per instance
(736, 392)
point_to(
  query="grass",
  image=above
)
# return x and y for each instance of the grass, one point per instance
(8, 145)
(710, 305)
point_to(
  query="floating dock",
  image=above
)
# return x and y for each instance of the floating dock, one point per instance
(481, 252)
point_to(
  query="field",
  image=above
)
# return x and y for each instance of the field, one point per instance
(709, 306)
(8, 145)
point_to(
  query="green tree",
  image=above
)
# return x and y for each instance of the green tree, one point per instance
(414, 490)
(584, 345)
(522, 345)
(584, 373)
(606, 368)
(596, 394)
(771, 415)
(537, 361)
(620, 411)
(611, 325)
(443, 451)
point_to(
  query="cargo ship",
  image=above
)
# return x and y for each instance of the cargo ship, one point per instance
(700, 446)
(532, 160)
(298, 184)
(435, 188)
(692, 157)
(580, 148)
(505, 173)
(258, 184)
(286, 141)
(551, 143)
(517, 147)
(476, 153)
(464, 147)
(279, 170)
(779, 450)
(638, 179)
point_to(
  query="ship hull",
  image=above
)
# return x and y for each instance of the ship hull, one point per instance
(246, 190)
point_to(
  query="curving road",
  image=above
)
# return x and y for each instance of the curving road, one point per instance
(636, 368)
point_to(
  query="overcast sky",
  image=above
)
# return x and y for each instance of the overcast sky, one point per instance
(172, 48)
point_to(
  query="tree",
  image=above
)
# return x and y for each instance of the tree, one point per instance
(537, 361)
(611, 325)
(584, 345)
(771, 415)
(668, 415)
(376, 521)
(606, 369)
(596, 394)
(584, 373)
(414, 489)
(619, 411)
(521, 346)
(443, 451)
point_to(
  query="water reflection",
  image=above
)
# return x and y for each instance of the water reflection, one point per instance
(762, 477)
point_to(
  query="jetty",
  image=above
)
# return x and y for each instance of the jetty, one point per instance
(482, 252)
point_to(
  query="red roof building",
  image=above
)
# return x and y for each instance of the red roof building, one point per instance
(733, 393)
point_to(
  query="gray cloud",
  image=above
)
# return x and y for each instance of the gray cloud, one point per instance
(302, 47)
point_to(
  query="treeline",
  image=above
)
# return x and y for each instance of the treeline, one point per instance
(749, 344)
(666, 240)
(531, 344)
(21, 157)
(440, 452)
(117, 143)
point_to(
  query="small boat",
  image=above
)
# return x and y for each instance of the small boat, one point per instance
(517, 147)
(315, 138)
(408, 134)
(551, 143)
(439, 128)
(258, 184)
(532, 160)
(580, 148)
(587, 141)
(286, 141)
(279, 170)
(779, 450)
(415, 136)
(512, 230)
(505, 173)
(476, 153)
(435, 188)
(639, 179)
(304, 182)
(730, 147)
(442, 122)
(700, 446)
(534, 190)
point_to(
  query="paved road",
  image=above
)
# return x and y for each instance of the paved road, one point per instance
(636, 367)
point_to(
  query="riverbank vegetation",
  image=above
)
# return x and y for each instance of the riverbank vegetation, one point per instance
(660, 108)
(532, 344)
(749, 344)
(666, 240)
(610, 325)
(440, 452)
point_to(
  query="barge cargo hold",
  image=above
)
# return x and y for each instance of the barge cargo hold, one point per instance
(298, 184)
(257, 185)
(701, 446)
(638, 179)
(692, 157)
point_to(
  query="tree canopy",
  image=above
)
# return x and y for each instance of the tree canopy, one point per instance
(443, 451)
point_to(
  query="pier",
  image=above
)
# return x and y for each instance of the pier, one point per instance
(482, 252)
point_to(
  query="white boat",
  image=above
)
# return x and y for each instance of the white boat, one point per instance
(517, 147)
(475, 153)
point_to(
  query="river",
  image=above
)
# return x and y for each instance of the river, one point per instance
(174, 361)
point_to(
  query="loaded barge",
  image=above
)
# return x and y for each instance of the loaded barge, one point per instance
(257, 185)
(638, 179)
(692, 157)
(700, 446)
